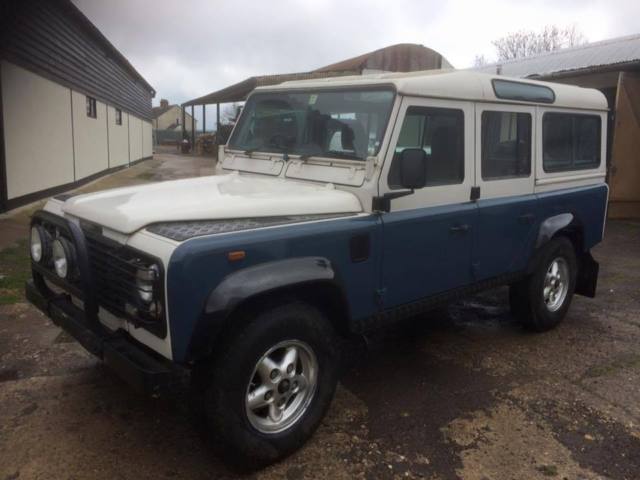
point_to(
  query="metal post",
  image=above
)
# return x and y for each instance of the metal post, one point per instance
(193, 129)
(217, 124)
(204, 119)
(183, 125)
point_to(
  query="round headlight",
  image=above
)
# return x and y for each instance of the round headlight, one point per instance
(37, 242)
(62, 257)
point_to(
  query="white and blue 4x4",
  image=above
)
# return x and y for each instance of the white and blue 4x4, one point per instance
(340, 205)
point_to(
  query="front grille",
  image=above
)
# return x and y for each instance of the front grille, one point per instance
(113, 269)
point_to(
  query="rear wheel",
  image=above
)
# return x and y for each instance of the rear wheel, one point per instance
(542, 300)
(270, 387)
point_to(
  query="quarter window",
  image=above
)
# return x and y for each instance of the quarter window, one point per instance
(440, 133)
(91, 107)
(570, 142)
(506, 145)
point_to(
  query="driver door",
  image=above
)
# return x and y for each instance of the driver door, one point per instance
(428, 235)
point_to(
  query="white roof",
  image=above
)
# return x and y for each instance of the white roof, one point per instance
(597, 54)
(453, 84)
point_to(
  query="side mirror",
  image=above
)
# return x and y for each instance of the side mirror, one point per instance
(413, 168)
(413, 174)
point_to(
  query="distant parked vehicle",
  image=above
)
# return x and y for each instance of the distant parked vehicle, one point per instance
(340, 205)
(185, 146)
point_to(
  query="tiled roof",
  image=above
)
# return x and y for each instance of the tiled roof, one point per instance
(157, 111)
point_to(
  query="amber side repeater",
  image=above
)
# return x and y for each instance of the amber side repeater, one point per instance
(236, 255)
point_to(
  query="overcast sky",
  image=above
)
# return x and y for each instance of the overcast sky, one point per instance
(189, 48)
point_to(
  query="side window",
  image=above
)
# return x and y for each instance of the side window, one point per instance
(440, 133)
(506, 145)
(570, 141)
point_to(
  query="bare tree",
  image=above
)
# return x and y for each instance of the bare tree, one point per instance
(230, 112)
(480, 61)
(526, 43)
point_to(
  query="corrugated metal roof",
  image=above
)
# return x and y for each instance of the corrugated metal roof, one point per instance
(402, 57)
(621, 50)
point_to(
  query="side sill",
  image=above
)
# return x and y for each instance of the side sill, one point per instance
(407, 310)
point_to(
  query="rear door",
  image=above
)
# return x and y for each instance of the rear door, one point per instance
(505, 176)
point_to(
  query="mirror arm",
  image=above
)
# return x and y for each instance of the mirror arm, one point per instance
(383, 203)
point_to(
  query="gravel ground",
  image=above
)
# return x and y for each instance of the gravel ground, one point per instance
(460, 393)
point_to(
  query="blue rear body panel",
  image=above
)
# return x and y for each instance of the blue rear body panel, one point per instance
(413, 254)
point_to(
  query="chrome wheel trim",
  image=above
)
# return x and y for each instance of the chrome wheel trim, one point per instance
(556, 284)
(281, 387)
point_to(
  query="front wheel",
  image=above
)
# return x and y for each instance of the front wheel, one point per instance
(542, 300)
(271, 385)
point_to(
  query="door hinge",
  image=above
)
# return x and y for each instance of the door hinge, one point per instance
(475, 194)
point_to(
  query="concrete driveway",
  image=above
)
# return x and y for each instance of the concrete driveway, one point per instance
(460, 393)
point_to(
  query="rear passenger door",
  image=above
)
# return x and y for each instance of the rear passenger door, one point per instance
(428, 235)
(505, 176)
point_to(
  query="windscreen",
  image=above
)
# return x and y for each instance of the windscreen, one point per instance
(340, 124)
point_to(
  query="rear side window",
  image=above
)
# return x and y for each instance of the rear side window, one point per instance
(440, 133)
(506, 145)
(570, 141)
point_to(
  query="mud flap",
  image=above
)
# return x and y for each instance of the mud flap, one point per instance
(587, 279)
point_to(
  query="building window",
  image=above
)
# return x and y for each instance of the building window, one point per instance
(440, 133)
(118, 116)
(178, 121)
(570, 142)
(506, 145)
(91, 108)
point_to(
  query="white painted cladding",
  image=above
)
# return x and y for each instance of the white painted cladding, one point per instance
(89, 137)
(37, 131)
(147, 140)
(118, 139)
(135, 138)
(50, 140)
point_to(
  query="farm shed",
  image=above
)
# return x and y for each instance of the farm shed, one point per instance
(72, 107)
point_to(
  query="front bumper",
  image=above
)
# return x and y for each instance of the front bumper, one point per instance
(141, 368)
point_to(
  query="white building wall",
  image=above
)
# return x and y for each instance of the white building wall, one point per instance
(49, 139)
(171, 117)
(118, 139)
(37, 132)
(89, 137)
(147, 139)
(135, 138)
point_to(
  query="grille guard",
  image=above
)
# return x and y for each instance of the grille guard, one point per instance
(86, 287)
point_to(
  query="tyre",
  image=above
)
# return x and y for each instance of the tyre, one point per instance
(271, 385)
(540, 301)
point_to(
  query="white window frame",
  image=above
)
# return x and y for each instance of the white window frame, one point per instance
(434, 195)
(509, 186)
(563, 179)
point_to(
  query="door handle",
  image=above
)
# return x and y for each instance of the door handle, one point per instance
(526, 218)
(459, 228)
